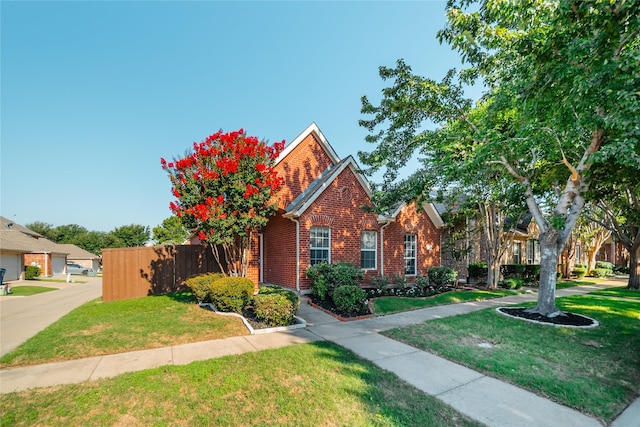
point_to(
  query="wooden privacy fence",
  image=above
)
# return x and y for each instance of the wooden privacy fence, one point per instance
(138, 272)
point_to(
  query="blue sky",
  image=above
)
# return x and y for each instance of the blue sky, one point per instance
(94, 93)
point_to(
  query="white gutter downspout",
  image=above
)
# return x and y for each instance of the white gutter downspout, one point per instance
(297, 253)
(382, 246)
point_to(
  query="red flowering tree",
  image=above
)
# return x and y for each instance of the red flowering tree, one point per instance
(224, 189)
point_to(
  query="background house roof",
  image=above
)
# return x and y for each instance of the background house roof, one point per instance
(7, 224)
(17, 238)
(74, 252)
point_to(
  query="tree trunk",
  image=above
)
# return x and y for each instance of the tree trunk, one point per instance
(548, 267)
(634, 268)
(569, 257)
(493, 272)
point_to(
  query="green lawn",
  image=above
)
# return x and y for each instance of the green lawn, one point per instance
(619, 292)
(26, 290)
(596, 371)
(301, 385)
(98, 328)
(388, 305)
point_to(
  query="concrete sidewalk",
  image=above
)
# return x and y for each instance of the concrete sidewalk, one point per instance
(483, 398)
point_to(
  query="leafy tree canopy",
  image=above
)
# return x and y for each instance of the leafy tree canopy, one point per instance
(225, 189)
(170, 232)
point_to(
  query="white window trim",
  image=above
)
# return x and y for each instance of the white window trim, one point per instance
(374, 250)
(415, 250)
(319, 247)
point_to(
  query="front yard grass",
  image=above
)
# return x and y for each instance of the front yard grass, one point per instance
(596, 371)
(26, 290)
(388, 305)
(98, 328)
(300, 385)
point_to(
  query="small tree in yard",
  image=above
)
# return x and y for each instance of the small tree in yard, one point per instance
(224, 189)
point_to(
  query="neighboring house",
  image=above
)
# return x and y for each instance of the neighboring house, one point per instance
(20, 247)
(81, 256)
(321, 218)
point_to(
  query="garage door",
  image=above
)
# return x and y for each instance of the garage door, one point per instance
(58, 264)
(13, 264)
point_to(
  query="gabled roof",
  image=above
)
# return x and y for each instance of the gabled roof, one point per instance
(15, 237)
(431, 209)
(7, 224)
(313, 191)
(13, 240)
(76, 252)
(312, 129)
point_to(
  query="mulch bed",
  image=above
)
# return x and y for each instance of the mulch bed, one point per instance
(565, 319)
(330, 308)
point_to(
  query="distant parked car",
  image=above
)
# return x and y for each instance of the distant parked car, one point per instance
(73, 268)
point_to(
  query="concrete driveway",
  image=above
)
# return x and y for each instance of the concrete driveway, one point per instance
(23, 317)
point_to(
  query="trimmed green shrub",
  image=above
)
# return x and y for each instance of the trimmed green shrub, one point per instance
(350, 299)
(579, 272)
(604, 264)
(478, 270)
(440, 276)
(400, 281)
(422, 282)
(512, 283)
(325, 278)
(621, 269)
(231, 294)
(317, 274)
(601, 272)
(200, 285)
(513, 270)
(344, 274)
(32, 272)
(380, 282)
(532, 272)
(289, 294)
(275, 309)
(580, 266)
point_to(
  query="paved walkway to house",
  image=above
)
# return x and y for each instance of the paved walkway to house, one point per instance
(486, 399)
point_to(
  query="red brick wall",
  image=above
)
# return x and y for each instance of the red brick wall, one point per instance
(42, 260)
(300, 168)
(279, 256)
(411, 221)
(338, 208)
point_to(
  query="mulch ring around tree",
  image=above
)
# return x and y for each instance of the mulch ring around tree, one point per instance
(563, 320)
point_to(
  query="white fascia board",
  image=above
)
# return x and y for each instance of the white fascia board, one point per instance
(433, 215)
(315, 130)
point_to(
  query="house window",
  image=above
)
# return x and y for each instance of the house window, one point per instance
(517, 250)
(533, 252)
(319, 244)
(368, 253)
(410, 247)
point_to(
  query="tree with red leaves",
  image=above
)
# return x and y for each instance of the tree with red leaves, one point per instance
(225, 190)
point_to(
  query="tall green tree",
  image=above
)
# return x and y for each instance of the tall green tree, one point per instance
(170, 232)
(562, 74)
(45, 229)
(130, 236)
(615, 197)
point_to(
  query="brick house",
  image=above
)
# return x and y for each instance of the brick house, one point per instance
(320, 218)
